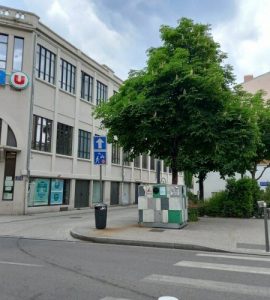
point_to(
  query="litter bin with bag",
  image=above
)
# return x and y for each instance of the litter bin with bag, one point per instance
(101, 215)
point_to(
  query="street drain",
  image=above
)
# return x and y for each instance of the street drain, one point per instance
(75, 217)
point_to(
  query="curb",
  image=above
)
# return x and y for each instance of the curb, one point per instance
(164, 245)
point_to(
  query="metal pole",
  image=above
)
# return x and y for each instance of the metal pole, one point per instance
(100, 183)
(266, 229)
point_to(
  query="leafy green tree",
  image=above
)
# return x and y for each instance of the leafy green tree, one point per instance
(172, 108)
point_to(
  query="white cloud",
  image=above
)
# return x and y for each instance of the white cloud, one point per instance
(246, 38)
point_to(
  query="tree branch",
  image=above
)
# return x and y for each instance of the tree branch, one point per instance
(266, 167)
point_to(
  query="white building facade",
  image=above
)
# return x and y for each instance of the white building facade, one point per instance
(47, 128)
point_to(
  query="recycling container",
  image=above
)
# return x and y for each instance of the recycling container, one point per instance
(101, 215)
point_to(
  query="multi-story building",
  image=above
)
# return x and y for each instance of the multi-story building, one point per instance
(48, 90)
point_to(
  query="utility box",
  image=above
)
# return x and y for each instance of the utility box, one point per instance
(162, 205)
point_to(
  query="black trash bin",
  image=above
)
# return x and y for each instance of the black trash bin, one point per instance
(101, 215)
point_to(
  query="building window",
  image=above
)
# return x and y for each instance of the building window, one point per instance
(115, 153)
(45, 64)
(126, 160)
(64, 139)
(84, 144)
(3, 51)
(152, 163)
(46, 191)
(137, 162)
(42, 134)
(102, 92)
(87, 87)
(68, 72)
(11, 139)
(18, 53)
(145, 161)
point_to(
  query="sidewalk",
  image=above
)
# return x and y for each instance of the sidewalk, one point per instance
(208, 234)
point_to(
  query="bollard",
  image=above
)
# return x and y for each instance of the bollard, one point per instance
(266, 228)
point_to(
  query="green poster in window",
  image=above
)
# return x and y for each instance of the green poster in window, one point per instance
(57, 188)
(41, 196)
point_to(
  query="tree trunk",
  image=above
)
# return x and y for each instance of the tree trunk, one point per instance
(253, 171)
(201, 187)
(174, 176)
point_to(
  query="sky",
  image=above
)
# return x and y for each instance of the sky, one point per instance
(118, 32)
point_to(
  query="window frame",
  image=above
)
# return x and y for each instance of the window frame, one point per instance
(6, 55)
(44, 56)
(116, 153)
(87, 86)
(84, 140)
(68, 75)
(47, 145)
(22, 54)
(102, 92)
(64, 139)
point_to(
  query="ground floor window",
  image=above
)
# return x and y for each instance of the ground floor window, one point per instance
(48, 191)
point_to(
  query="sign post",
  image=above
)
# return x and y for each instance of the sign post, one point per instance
(100, 157)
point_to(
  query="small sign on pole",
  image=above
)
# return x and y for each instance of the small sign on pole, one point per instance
(100, 157)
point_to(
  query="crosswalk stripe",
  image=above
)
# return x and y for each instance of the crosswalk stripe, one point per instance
(223, 267)
(218, 286)
(113, 298)
(253, 258)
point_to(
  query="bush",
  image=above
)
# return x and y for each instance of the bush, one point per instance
(214, 206)
(193, 214)
(265, 195)
(239, 202)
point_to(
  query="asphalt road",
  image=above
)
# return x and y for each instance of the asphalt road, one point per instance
(46, 269)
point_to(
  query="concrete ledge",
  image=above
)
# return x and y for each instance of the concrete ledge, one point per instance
(166, 245)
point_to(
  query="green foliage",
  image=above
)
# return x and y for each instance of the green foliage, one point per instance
(172, 108)
(188, 179)
(265, 196)
(193, 214)
(215, 205)
(238, 200)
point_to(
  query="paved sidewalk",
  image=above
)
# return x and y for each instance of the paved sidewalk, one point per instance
(209, 234)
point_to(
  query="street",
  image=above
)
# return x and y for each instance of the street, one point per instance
(46, 269)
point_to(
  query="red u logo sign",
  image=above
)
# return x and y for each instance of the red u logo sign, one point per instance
(19, 79)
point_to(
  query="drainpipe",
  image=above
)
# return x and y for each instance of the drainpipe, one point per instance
(30, 125)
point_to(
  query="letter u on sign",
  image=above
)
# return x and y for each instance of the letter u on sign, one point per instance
(19, 80)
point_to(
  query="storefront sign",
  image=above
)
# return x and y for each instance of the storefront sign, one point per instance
(18, 80)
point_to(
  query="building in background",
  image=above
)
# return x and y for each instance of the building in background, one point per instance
(48, 90)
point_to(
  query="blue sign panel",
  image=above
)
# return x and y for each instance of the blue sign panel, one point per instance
(100, 158)
(264, 183)
(2, 77)
(100, 143)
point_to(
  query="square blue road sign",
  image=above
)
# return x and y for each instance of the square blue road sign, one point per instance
(100, 143)
(100, 158)
(2, 77)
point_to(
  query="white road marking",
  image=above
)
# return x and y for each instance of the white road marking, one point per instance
(112, 298)
(19, 264)
(235, 257)
(223, 267)
(217, 286)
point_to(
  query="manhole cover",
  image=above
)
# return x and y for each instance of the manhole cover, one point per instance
(156, 230)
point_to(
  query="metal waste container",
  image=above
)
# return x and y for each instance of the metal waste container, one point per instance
(101, 215)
